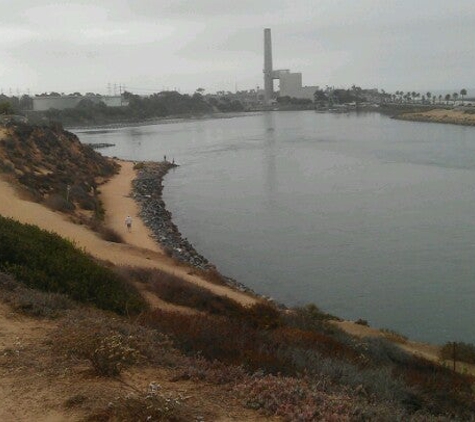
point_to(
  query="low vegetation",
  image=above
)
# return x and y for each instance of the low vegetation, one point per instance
(290, 363)
(32, 302)
(110, 345)
(45, 261)
(378, 371)
(54, 167)
(460, 351)
(152, 404)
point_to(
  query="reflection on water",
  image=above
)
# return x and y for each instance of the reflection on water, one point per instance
(269, 161)
(363, 215)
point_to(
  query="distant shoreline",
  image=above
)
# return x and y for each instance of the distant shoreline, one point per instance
(448, 116)
(159, 121)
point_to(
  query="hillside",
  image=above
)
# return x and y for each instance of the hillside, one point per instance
(53, 167)
(192, 349)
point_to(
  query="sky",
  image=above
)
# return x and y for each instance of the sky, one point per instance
(152, 45)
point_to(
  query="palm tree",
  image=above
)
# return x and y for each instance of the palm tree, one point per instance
(455, 96)
(463, 92)
(440, 98)
(428, 95)
(447, 98)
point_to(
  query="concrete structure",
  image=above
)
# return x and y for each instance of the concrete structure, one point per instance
(62, 102)
(268, 71)
(290, 84)
(307, 92)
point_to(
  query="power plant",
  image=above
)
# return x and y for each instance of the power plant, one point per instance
(290, 84)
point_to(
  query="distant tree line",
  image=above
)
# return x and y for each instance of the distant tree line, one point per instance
(161, 104)
(331, 96)
(411, 97)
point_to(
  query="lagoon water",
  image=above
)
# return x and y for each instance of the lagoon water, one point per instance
(365, 216)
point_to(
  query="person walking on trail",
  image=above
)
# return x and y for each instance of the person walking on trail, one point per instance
(128, 223)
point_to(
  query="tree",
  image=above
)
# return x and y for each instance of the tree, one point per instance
(447, 98)
(6, 108)
(26, 103)
(319, 97)
(463, 92)
(455, 96)
(428, 95)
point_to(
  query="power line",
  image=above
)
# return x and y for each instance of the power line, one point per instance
(150, 89)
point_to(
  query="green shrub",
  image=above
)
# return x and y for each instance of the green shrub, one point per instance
(45, 261)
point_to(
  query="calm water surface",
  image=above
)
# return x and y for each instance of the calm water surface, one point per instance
(365, 216)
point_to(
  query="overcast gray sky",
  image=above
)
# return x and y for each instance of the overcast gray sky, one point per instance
(82, 45)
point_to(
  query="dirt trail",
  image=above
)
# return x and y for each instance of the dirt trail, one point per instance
(118, 202)
(140, 250)
(423, 350)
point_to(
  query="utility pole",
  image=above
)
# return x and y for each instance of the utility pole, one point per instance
(453, 353)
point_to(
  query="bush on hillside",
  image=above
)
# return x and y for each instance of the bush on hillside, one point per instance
(219, 338)
(33, 302)
(108, 344)
(58, 203)
(153, 404)
(45, 261)
(173, 289)
(295, 399)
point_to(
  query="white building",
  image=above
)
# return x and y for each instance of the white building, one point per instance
(290, 85)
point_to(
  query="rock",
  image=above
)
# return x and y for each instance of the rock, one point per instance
(147, 191)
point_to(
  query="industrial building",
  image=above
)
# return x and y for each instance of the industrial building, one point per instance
(290, 84)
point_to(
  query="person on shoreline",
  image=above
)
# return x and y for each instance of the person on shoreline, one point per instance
(128, 223)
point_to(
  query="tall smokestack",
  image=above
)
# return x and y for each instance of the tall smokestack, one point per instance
(268, 80)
